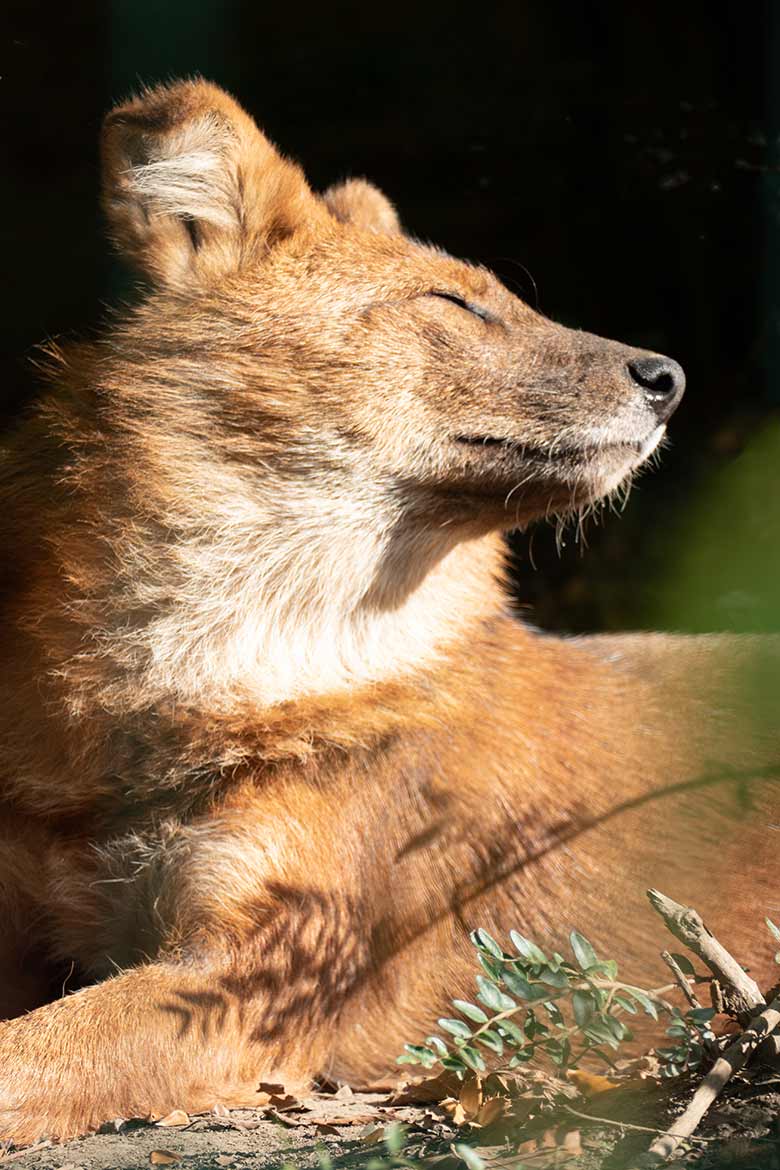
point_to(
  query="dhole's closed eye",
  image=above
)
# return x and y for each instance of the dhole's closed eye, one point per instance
(468, 306)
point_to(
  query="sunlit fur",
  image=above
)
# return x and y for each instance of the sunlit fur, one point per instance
(272, 739)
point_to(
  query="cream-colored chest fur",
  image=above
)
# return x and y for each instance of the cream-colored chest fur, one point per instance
(306, 592)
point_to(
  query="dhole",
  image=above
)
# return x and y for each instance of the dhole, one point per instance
(272, 740)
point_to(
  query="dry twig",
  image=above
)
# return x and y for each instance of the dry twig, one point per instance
(732, 1060)
(744, 1000)
(684, 983)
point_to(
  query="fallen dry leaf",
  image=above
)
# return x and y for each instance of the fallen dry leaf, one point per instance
(174, 1118)
(284, 1102)
(455, 1110)
(572, 1143)
(492, 1110)
(273, 1093)
(272, 1088)
(436, 1088)
(590, 1084)
(470, 1096)
(163, 1158)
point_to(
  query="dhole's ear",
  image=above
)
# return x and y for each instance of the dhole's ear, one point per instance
(361, 203)
(192, 188)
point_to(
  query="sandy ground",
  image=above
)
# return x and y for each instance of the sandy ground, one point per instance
(741, 1132)
(208, 1145)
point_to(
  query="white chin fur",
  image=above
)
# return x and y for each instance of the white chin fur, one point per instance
(651, 442)
(609, 481)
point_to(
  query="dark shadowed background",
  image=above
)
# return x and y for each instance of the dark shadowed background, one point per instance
(620, 162)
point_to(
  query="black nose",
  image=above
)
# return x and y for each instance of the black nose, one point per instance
(662, 380)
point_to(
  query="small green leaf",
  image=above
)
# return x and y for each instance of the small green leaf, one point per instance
(643, 1000)
(553, 978)
(616, 1027)
(626, 1004)
(470, 1157)
(599, 1031)
(456, 1027)
(491, 966)
(454, 1064)
(702, 1015)
(486, 942)
(529, 950)
(472, 1058)
(512, 1032)
(558, 1051)
(437, 1043)
(421, 1054)
(492, 997)
(554, 1013)
(606, 967)
(470, 1010)
(517, 984)
(582, 1006)
(583, 951)
(491, 1040)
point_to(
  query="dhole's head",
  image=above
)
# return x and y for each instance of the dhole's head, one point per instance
(333, 347)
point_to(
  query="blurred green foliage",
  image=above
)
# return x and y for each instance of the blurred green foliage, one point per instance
(723, 566)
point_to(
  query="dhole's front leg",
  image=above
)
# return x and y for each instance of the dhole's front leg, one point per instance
(155, 1038)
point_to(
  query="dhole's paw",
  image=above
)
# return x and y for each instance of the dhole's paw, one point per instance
(25, 1120)
(35, 1106)
(25, 1124)
(17, 1128)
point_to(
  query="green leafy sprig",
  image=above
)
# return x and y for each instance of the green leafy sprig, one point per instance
(520, 1019)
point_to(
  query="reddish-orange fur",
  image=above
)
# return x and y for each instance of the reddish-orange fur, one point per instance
(272, 740)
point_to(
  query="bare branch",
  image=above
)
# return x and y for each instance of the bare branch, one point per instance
(686, 924)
